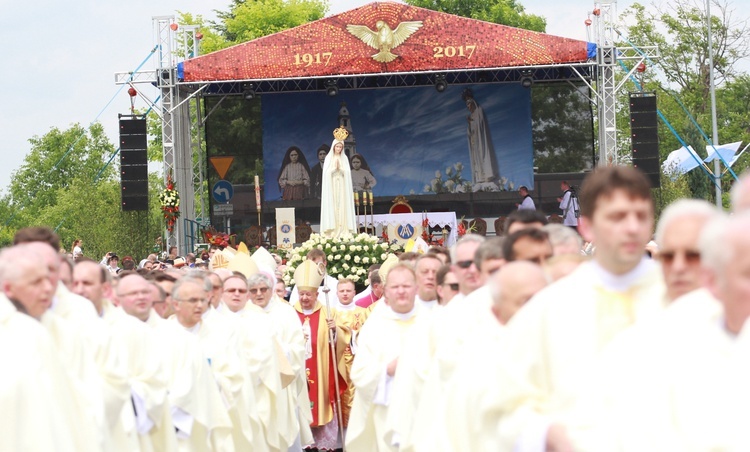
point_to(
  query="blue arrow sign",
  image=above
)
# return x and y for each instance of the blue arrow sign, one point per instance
(222, 191)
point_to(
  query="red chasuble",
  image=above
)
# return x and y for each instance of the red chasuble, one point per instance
(319, 368)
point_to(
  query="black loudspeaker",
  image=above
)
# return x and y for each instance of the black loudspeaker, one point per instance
(133, 164)
(644, 135)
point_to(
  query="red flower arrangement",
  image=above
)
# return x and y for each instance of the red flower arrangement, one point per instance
(220, 239)
(427, 236)
(170, 203)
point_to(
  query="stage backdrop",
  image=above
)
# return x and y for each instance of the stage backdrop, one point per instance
(414, 140)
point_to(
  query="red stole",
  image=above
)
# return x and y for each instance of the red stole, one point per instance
(320, 367)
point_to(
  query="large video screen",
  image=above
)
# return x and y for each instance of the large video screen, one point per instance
(469, 138)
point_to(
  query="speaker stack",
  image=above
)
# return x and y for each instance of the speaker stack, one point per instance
(133, 164)
(644, 135)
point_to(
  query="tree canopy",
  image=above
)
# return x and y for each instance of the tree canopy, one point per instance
(505, 12)
(681, 77)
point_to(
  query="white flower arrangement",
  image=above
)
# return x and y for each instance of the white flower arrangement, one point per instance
(348, 257)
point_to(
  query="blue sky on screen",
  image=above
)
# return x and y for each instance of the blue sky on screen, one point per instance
(405, 134)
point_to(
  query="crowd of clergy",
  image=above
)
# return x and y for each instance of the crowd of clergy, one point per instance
(548, 338)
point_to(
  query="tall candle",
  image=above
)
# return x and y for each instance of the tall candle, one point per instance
(257, 193)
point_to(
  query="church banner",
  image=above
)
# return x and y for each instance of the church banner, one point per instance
(469, 138)
(285, 228)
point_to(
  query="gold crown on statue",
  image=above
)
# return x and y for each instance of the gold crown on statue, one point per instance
(340, 133)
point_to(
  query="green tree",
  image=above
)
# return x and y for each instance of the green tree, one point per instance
(505, 12)
(681, 76)
(55, 159)
(246, 20)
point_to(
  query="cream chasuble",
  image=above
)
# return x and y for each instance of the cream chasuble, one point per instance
(430, 360)
(292, 342)
(677, 383)
(349, 321)
(76, 353)
(147, 381)
(381, 340)
(41, 410)
(260, 370)
(556, 344)
(224, 375)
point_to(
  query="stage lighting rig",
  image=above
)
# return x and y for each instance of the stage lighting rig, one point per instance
(332, 88)
(527, 78)
(440, 83)
(249, 93)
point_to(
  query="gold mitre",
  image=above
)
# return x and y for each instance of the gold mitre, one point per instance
(244, 264)
(386, 266)
(218, 260)
(340, 133)
(242, 248)
(308, 276)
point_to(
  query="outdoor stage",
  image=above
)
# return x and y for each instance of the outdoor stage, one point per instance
(462, 114)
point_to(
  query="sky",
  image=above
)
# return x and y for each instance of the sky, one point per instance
(60, 58)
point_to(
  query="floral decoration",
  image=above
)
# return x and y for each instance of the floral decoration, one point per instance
(428, 236)
(170, 203)
(453, 182)
(220, 239)
(348, 257)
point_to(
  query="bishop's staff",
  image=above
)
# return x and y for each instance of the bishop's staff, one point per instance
(332, 343)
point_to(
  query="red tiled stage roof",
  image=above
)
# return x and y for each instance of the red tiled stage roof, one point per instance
(326, 48)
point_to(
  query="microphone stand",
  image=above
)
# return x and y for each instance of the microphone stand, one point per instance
(332, 343)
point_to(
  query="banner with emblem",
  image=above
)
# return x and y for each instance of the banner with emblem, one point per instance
(401, 233)
(285, 228)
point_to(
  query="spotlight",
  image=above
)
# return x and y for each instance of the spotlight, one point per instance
(440, 83)
(332, 89)
(527, 78)
(249, 93)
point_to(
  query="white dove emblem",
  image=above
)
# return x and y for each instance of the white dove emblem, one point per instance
(384, 39)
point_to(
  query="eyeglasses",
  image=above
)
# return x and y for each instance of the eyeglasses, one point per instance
(453, 286)
(135, 293)
(235, 290)
(464, 264)
(192, 300)
(262, 290)
(690, 256)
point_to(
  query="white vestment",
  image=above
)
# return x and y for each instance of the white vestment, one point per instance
(679, 382)
(557, 344)
(41, 410)
(381, 340)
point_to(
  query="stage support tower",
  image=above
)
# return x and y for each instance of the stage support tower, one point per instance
(608, 58)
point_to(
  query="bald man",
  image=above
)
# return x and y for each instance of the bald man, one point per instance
(511, 287)
(47, 413)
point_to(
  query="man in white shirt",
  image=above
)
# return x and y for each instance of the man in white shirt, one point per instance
(526, 202)
(569, 205)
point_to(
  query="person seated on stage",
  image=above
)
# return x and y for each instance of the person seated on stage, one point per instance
(362, 178)
(294, 177)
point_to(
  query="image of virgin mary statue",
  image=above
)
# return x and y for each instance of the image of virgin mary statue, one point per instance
(337, 198)
(484, 171)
